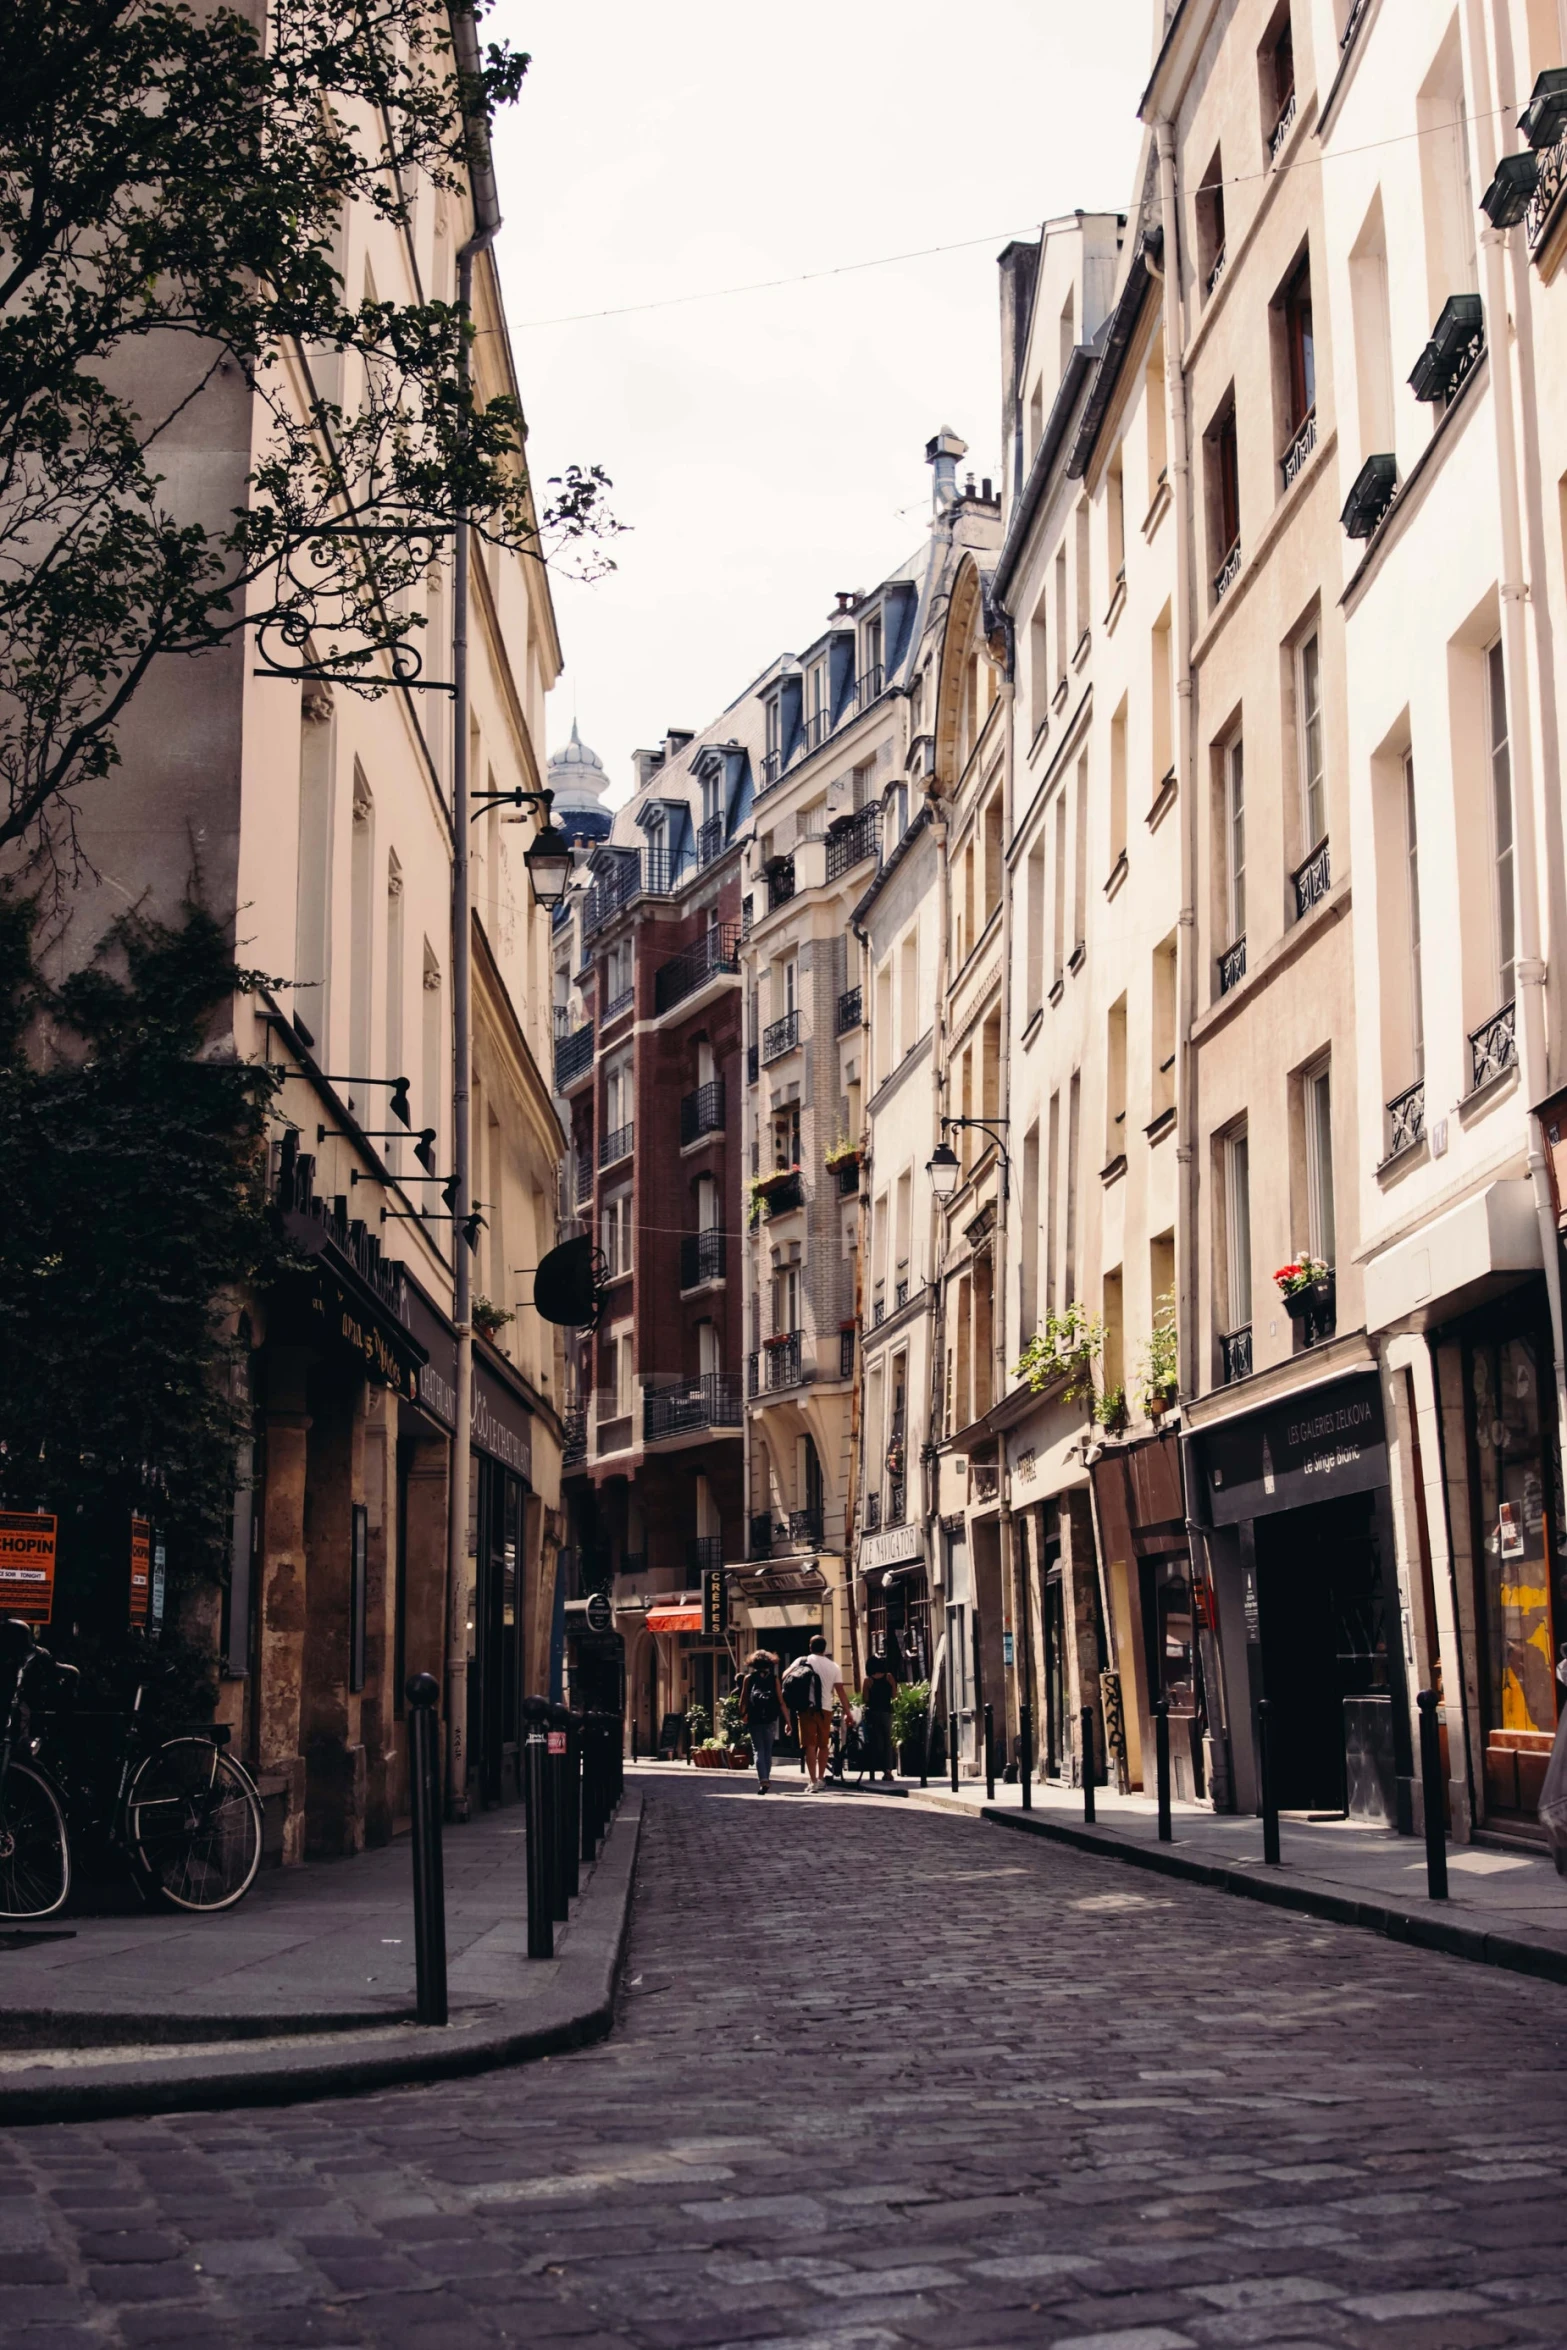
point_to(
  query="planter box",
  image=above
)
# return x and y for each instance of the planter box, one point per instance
(739, 1758)
(1314, 1309)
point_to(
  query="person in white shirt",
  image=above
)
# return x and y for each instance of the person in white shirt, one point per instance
(816, 1727)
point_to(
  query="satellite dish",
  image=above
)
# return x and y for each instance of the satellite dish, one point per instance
(564, 1287)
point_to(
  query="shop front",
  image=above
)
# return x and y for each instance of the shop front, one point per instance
(896, 1606)
(1295, 1521)
(503, 1534)
(1155, 1612)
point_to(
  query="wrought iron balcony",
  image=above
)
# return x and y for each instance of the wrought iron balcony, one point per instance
(751, 1064)
(710, 841)
(1311, 881)
(846, 1352)
(1457, 340)
(849, 1179)
(1232, 966)
(852, 840)
(873, 1513)
(1370, 495)
(620, 1003)
(781, 1036)
(1282, 128)
(1406, 1118)
(1235, 1355)
(1544, 124)
(704, 1552)
(747, 910)
(585, 1171)
(1215, 273)
(782, 1192)
(675, 1409)
(781, 1361)
(984, 1480)
(1228, 573)
(878, 1313)
(870, 686)
(772, 769)
(702, 1112)
(760, 1543)
(1300, 447)
(634, 873)
(702, 1258)
(897, 1501)
(805, 1529)
(616, 1146)
(573, 1057)
(1352, 25)
(574, 1429)
(900, 1295)
(714, 955)
(1493, 1047)
(817, 728)
(780, 883)
(850, 1010)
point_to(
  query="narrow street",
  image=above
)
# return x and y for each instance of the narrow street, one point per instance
(882, 2077)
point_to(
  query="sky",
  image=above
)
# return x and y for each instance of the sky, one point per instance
(767, 448)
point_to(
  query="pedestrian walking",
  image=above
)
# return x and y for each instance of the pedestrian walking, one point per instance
(762, 1710)
(881, 1687)
(812, 1687)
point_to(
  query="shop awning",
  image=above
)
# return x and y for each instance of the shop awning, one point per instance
(674, 1619)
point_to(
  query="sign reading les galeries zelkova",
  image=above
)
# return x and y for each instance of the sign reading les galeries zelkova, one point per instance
(1306, 1449)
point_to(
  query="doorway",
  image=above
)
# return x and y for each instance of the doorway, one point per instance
(1327, 1670)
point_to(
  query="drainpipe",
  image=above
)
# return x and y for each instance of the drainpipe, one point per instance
(487, 221)
(930, 1460)
(1529, 965)
(1168, 269)
(1003, 1285)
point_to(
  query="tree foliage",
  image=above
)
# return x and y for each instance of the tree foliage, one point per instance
(173, 183)
(135, 1208)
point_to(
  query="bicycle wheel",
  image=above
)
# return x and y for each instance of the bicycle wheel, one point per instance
(193, 1820)
(35, 1852)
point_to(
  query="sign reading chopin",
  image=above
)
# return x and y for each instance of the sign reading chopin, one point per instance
(27, 1543)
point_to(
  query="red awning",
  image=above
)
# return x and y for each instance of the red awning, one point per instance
(674, 1619)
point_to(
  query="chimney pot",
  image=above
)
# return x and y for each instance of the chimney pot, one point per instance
(984, 489)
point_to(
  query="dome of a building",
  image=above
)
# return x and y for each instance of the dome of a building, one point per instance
(576, 777)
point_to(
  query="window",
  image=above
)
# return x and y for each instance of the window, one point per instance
(1039, 683)
(1052, 1194)
(1501, 819)
(1068, 329)
(1373, 343)
(432, 1043)
(1235, 836)
(1080, 876)
(1118, 786)
(1281, 59)
(1028, 1258)
(1300, 358)
(361, 935)
(1237, 1228)
(1417, 1025)
(1034, 987)
(774, 742)
(615, 1234)
(1319, 1165)
(313, 888)
(1164, 992)
(707, 1203)
(1210, 224)
(1084, 578)
(1308, 714)
(1161, 701)
(1115, 520)
(816, 704)
(1063, 642)
(709, 1359)
(1073, 1127)
(1225, 486)
(870, 656)
(1060, 889)
(1115, 1082)
(912, 1019)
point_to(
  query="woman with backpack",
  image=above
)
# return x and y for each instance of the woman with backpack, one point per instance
(762, 1711)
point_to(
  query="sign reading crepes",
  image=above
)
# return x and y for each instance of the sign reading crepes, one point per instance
(27, 1545)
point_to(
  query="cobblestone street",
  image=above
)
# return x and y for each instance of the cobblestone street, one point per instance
(1152, 2117)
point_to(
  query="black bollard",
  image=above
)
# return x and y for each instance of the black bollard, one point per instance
(571, 1845)
(560, 1808)
(1161, 1749)
(1270, 1801)
(925, 1752)
(952, 1752)
(1088, 1765)
(424, 1793)
(990, 1754)
(536, 1806)
(587, 1837)
(1434, 1794)
(1025, 1753)
(635, 1729)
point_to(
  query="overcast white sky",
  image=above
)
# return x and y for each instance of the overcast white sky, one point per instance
(768, 448)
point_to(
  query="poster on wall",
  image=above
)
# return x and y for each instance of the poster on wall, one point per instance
(27, 1549)
(141, 1571)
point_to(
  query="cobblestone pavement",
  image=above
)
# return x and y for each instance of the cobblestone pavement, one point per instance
(884, 2077)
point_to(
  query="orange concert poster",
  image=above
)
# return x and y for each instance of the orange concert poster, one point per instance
(27, 1541)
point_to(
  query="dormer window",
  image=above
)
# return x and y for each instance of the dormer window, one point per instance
(870, 661)
(817, 705)
(772, 760)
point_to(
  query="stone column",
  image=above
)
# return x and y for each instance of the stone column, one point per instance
(377, 1704)
(334, 1757)
(280, 1647)
(1080, 1621)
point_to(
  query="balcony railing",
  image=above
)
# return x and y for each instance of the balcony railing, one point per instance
(1312, 881)
(785, 1191)
(616, 1145)
(714, 956)
(747, 909)
(897, 1501)
(818, 726)
(712, 1401)
(805, 1529)
(573, 1055)
(781, 1362)
(1235, 1355)
(1493, 1047)
(1232, 966)
(1300, 447)
(850, 1010)
(781, 1036)
(1457, 340)
(772, 768)
(1215, 273)
(620, 1003)
(1406, 1118)
(760, 1535)
(900, 1296)
(635, 872)
(1547, 187)
(846, 1352)
(851, 841)
(871, 682)
(702, 1112)
(1228, 573)
(780, 883)
(849, 1179)
(751, 1064)
(1282, 128)
(574, 1434)
(702, 1258)
(585, 1171)
(873, 1513)
(703, 1553)
(710, 841)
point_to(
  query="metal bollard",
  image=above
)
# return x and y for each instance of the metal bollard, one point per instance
(424, 1790)
(635, 1735)
(586, 1846)
(952, 1752)
(560, 1906)
(1089, 1766)
(925, 1752)
(990, 1754)
(1025, 1754)
(1270, 1801)
(1435, 1796)
(1161, 1748)
(536, 1806)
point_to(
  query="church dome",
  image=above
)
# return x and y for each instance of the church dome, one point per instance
(576, 777)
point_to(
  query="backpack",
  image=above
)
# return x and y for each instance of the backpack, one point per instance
(762, 1696)
(802, 1687)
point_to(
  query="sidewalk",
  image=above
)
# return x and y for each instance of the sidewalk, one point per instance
(1504, 1908)
(307, 1988)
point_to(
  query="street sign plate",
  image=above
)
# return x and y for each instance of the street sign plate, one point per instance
(601, 1613)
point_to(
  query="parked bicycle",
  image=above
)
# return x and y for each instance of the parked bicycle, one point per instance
(177, 1808)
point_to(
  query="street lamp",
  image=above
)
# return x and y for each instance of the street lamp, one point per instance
(944, 1167)
(548, 856)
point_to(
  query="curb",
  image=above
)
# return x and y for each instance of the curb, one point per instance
(1342, 1909)
(578, 2008)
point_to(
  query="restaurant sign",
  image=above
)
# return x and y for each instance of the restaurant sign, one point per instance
(1306, 1449)
(891, 1547)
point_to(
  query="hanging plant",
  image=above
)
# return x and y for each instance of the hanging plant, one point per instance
(1064, 1348)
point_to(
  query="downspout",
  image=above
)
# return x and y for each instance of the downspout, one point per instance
(1529, 965)
(930, 1462)
(487, 221)
(1004, 1283)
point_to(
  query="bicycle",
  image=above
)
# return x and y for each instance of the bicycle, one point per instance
(179, 1809)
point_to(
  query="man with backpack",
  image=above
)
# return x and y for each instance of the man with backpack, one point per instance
(811, 1686)
(762, 1710)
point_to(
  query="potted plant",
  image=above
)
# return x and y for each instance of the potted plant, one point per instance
(487, 1319)
(843, 1153)
(731, 1731)
(1161, 1368)
(1306, 1286)
(1062, 1354)
(698, 1725)
(765, 1189)
(1110, 1411)
(910, 1706)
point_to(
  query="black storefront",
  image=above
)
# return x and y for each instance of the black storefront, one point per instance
(1294, 1509)
(501, 1494)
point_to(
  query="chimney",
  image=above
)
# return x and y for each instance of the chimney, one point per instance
(846, 601)
(647, 765)
(676, 740)
(986, 492)
(942, 455)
